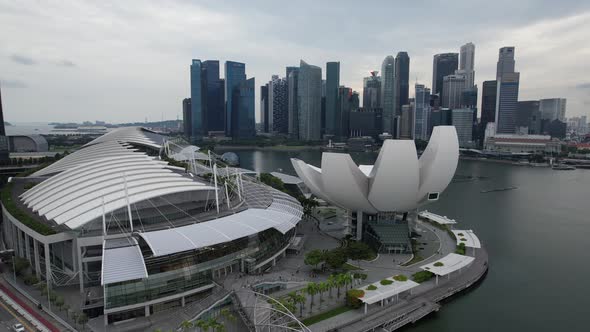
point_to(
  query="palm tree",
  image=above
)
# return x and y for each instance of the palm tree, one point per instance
(340, 281)
(186, 325)
(311, 289)
(228, 315)
(348, 279)
(300, 299)
(331, 283)
(202, 325)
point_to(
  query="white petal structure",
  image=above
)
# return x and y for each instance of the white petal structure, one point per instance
(397, 182)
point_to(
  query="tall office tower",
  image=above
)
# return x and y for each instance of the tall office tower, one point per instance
(4, 148)
(402, 81)
(197, 125)
(467, 64)
(407, 122)
(469, 98)
(213, 97)
(443, 65)
(488, 102)
(421, 112)
(372, 91)
(462, 119)
(244, 125)
(505, 61)
(235, 73)
(332, 85)
(289, 70)
(507, 92)
(278, 105)
(453, 86)
(323, 108)
(553, 109)
(293, 108)
(264, 108)
(345, 106)
(309, 90)
(388, 92)
(528, 116)
(186, 117)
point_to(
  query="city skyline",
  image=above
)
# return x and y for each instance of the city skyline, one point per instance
(122, 65)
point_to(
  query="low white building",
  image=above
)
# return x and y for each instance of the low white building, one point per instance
(519, 143)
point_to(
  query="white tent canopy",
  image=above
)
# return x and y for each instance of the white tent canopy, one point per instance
(122, 261)
(471, 240)
(450, 263)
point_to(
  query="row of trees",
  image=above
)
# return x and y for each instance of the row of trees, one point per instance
(208, 324)
(336, 258)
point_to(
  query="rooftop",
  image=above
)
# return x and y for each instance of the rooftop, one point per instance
(450, 263)
(468, 238)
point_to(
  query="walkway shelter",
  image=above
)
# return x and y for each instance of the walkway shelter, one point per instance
(447, 265)
(468, 238)
(385, 294)
(441, 220)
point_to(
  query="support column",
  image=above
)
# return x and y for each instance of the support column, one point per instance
(47, 264)
(147, 310)
(365, 308)
(182, 302)
(36, 258)
(359, 225)
(437, 279)
(18, 241)
(27, 248)
(80, 268)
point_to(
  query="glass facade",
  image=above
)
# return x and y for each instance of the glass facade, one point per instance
(332, 85)
(243, 112)
(196, 102)
(235, 73)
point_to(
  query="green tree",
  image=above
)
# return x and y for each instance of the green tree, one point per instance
(186, 325)
(314, 258)
(59, 302)
(336, 258)
(298, 298)
(358, 250)
(311, 289)
(202, 325)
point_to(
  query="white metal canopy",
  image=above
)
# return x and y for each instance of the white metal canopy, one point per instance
(386, 291)
(450, 263)
(122, 263)
(468, 238)
(441, 220)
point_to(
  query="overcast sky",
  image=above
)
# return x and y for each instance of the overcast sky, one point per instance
(129, 60)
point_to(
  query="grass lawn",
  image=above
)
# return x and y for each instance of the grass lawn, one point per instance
(350, 267)
(325, 315)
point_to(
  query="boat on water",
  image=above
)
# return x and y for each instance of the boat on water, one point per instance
(562, 167)
(497, 189)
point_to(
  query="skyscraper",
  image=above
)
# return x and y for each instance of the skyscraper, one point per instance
(372, 91)
(505, 61)
(529, 116)
(453, 87)
(309, 102)
(402, 81)
(553, 109)
(4, 154)
(346, 104)
(278, 105)
(462, 119)
(467, 64)
(213, 97)
(507, 92)
(488, 102)
(243, 109)
(443, 64)
(421, 112)
(407, 122)
(197, 130)
(293, 108)
(388, 92)
(332, 84)
(264, 108)
(235, 73)
(186, 117)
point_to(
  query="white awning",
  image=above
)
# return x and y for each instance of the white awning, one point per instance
(468, 237)
(441, 220)
(122, 262)
(386, 291)
(450, 263)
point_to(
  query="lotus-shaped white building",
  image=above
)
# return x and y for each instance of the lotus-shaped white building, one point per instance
(398, 181)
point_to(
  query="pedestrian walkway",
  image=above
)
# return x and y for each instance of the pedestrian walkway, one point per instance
(27, 312)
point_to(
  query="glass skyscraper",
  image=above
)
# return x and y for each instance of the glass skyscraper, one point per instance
(402, 81)
(388, 92)
(196, 118)
(309, 89)
(213, 97)
(443, 65)
(243, 112)
(332, 107)
(235, 73)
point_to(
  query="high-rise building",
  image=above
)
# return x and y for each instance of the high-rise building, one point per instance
(421, 111)
(235, 73)
(462, 119)
(507, 92)
(278, 96)
(4, 154)
(213, 97)
(366, 122)
(309, 99)
(453, 87)
(443, 64)
(197, 125)
(244, 125)
(293, 108)
(372, 91)
(346, 104)
(467, 64)
(553, 109)
(469, 98)
(407, 122)
(264, 108)
(323, 108)
(332, 85)
(488, 102)
(186, 117)
(402, 81)
(529, 116)
(388, 92)
(505, 61)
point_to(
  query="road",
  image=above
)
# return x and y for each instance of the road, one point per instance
(9, 317)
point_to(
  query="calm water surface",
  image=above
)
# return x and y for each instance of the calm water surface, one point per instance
(537, 236)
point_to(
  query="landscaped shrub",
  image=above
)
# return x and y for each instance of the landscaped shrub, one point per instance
(438, 264)
(460, 234)
(463, 239)
(371, 287)
(422, 276)
(22, 216)
(353, 297)
(400, 277)
(386, 282)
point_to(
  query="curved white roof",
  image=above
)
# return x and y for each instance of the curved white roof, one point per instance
(398, 181)
(451, 263)
(134, 135)
(471, 240)
(386, 291)
(283, 214)
(441, 220)
(74, 197)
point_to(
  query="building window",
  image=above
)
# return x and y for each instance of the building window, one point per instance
(432, 196)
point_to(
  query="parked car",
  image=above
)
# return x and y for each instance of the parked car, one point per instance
(18, 328)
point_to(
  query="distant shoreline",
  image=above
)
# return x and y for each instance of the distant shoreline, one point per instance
(268, 148)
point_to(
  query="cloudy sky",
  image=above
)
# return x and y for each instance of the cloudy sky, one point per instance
(129, 60)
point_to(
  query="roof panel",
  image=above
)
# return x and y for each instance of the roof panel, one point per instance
(451, 263)
(122, 264)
